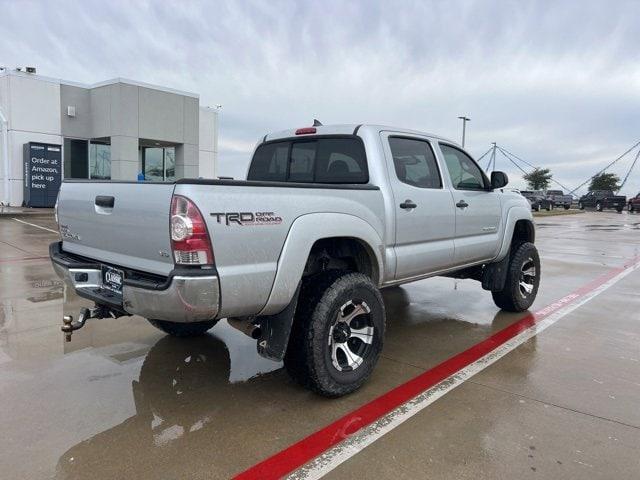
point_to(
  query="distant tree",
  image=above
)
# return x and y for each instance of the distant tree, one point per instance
(538, 179)
(605, 181)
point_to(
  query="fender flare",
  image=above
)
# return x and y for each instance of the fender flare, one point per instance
(513, 215)
(304, 232)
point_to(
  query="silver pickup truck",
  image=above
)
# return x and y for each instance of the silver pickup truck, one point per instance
(296, 255)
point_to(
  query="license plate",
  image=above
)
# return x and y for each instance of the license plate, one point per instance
(112, 279)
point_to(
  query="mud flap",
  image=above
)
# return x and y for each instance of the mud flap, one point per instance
(276, 329)
(494, 275)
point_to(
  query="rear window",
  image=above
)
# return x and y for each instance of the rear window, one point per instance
(320, 160)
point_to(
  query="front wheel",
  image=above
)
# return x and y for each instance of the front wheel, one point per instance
(179, 329)
(523, 279)
(337, 333)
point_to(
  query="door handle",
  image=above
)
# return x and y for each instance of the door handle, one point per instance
(408, 204)
(105, 201)
(462, 204)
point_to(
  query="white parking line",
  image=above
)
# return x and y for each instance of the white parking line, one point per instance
(37, 226)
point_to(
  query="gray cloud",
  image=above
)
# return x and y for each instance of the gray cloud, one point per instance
(557, 83)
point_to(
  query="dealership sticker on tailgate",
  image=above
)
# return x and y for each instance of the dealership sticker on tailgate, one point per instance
(112, 279)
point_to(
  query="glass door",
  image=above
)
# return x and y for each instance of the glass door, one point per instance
(159, 164)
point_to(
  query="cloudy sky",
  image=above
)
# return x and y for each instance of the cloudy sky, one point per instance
(557, 83)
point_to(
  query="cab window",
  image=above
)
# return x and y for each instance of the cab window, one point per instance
(464, 172)
(414, 162)
(322, 160)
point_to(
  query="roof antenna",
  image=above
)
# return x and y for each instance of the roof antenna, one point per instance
(317, 123)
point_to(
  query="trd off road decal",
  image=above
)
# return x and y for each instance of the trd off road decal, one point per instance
(247, 218)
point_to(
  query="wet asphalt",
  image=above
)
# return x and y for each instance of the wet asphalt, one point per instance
(122, 400)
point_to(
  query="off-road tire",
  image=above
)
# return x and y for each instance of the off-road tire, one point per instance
(511, 298)
(619, 209)
(567, 207)
(308, 357)
(178, 329)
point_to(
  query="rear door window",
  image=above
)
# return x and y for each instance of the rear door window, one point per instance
(414, 162)
(323, 160)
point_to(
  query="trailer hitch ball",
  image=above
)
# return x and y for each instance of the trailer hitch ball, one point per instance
(68, 325)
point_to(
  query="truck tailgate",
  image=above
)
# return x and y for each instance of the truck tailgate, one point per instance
(132, 233)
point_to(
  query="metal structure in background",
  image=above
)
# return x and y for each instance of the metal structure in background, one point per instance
(626, 177)
(517, 162)
(464, 127)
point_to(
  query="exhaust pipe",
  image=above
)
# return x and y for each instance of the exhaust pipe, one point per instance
(246, 326)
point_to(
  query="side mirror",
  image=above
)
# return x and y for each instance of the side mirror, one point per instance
(498, 179)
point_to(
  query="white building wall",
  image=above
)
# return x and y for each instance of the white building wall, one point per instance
(4, 107)
(208, 149)
(32, 106)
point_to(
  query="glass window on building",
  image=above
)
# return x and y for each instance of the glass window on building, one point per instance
(87, 158)
(75, 158)
(100, 161)
(159, 164)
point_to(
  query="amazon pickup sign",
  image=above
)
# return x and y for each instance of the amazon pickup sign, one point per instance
(42, 174)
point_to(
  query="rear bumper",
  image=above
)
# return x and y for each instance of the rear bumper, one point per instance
(185, 296)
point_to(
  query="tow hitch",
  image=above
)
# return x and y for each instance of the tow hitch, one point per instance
(99, 311)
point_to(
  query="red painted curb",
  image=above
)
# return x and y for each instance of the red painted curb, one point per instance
(296, 455)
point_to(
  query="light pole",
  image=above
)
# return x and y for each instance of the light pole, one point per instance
(464, 127)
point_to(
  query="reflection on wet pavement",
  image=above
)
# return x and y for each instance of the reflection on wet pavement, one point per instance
(122, 400)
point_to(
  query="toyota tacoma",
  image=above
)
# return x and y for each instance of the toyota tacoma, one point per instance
(296, 254)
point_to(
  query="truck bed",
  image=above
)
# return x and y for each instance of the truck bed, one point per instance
(248, 223)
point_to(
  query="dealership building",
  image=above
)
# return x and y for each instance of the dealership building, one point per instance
(118, 129)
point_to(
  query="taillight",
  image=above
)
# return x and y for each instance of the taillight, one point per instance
(305, 131)
(190, 240)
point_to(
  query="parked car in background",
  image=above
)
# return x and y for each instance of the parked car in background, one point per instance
(634, 204)
(558, 199)
(537, 200)
(602, 200)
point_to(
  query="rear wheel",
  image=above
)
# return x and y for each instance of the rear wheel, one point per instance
(599, 206)
(178, 329)
(523, 279)
(567, 207)
(337, 333)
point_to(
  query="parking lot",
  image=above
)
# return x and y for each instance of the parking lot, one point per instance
(122, 400)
